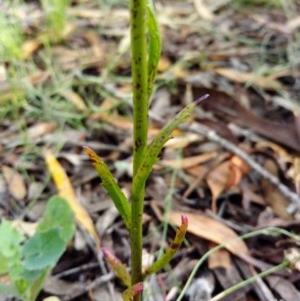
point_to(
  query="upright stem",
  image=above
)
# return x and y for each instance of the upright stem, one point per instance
(139, 79)
(138, 17)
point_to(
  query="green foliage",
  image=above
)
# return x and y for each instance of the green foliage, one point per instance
(28, 261)
(158, 142)
(112, 188)
(11, 38)
(145, 50)
(154, 48)
(171, 251)
(56, 16)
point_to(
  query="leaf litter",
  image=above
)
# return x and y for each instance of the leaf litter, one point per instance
(79, 94)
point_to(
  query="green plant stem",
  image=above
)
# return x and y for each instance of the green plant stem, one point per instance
(138, 26)
(266, 231)
(241, 284)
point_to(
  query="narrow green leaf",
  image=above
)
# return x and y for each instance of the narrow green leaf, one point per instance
(158, 142)
(154, 45)
(112, 188)
(58, 215)
(171, 251)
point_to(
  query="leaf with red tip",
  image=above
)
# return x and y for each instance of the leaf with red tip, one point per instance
(133, 291)
(117, 266)
(171, 251)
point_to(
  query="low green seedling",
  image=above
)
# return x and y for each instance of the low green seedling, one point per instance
(26, 262)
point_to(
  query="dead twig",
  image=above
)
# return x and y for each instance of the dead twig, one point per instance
(291, 196)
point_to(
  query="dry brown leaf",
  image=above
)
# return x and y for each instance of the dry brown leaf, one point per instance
(120, 122)
(188, 162)
(164, 64)
(281, 154)
(183, 140)
(198, 171)
(29, 47)
(228, 108)
(66, 191)
(272, 196)
(51, 298)
(15, 182)
(40, 129)
(106, 105)
(241, 164)
(93, 38)
(262, 81)
(219, 259)
(293, 23)
(276, 201)
(203, 11)
(217, 180)
(212, 230)
(238, 169)
(75, 99)
(296, 173)
(234, 177)
(26, 228)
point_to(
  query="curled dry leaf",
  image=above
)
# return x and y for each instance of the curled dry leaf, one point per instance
(238, 169)
(217, 180)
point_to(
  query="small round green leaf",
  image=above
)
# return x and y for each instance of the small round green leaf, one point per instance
(43, 249)
(58, 215)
